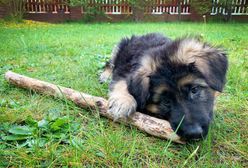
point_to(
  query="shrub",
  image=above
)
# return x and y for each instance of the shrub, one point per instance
(90, 11)
(15, 8)
(202, 7)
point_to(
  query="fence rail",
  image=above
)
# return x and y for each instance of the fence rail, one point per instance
(111, 6)
(164, 6)
(238, 7)
(46, 6)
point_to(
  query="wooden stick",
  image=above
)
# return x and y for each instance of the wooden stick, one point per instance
(153, 126)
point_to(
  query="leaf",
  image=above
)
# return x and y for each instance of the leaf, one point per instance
(9, 103)
(7, 67)
(100, 154)
(59, 123)
(43, 123)
(3, 103)
(75, 127)
(13, 104)
(31, 122)
(3, 146)
(34, 142)
(42, 142)
(15, 137)
(77, 143)
(53, 114)
(21, 130)
(22, 145)
(5, 127)
(59, 135)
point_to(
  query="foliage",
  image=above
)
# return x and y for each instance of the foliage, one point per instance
(204, 7)
(15, 7)
(138, 3)
(228, 7)
(138, 9)
(91, 11)
(39, 133)
(201, 7)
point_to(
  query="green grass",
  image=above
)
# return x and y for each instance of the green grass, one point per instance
(58, 133)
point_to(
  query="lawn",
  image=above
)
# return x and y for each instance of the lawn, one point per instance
(40, 131)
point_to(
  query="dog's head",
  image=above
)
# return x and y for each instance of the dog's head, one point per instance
(183, 87)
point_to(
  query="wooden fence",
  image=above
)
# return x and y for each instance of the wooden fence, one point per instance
(111, 6)
(108, 6)
(151, 7)
(117, 10)
(165, 6)
(3, 11)
(239, 7)
(46, 6)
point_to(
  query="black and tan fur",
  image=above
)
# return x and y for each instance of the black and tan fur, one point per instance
(169, 79)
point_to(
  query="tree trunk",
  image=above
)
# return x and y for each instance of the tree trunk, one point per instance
(228, 17)
(138, 10)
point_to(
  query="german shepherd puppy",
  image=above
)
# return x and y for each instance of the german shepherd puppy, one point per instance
(175, 80)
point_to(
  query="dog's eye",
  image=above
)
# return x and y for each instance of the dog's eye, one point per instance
(195, 89)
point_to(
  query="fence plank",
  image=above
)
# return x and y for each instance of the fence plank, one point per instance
(46, 6)
(239, 7)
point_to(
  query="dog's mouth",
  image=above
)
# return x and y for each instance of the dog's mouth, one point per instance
(188, 136)
(192, 139)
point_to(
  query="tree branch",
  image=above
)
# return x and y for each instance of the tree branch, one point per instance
(153, 126)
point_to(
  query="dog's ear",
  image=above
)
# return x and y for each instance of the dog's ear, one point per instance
(212, 63)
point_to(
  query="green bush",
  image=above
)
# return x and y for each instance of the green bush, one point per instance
(90, 11)
(16, 9)
(202, 7)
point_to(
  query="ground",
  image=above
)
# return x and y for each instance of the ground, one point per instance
(40, 131)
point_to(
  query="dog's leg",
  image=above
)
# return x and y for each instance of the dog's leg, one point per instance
(108, 69)
(107, 73)
(121, 103)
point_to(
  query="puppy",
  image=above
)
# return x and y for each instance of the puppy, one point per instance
(175, 80)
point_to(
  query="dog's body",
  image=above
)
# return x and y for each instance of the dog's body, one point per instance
(172, 80)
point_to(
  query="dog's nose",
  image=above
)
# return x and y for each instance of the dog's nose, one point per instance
(193, 132)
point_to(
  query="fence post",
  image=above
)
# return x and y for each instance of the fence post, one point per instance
(179, 9)
(3, 11)
(76, 12)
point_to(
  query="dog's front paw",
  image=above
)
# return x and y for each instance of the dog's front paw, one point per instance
(121, 106)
